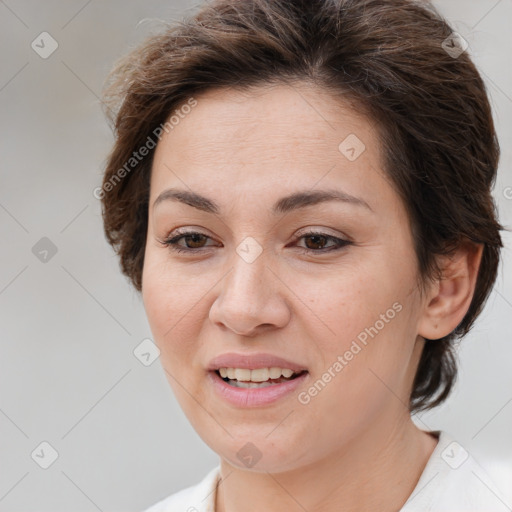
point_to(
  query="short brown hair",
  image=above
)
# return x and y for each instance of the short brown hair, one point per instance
(390, 57)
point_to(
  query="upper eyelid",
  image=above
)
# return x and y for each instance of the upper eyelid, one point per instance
(301, 234)
(320, 231)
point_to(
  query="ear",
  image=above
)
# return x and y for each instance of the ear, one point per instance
(449, 298)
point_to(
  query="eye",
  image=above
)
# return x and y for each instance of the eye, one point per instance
(195, 241)
(318, 242)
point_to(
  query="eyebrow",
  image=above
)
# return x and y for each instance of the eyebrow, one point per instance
(300, 199)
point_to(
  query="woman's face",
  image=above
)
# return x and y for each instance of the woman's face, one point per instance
(296, 254)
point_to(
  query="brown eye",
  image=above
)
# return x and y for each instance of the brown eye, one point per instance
(322, 242)
(189, 241)
(195, 241)
(316, 241)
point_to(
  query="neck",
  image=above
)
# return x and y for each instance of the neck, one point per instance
(378, 470)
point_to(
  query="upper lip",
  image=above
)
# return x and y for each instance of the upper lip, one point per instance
(252, 362)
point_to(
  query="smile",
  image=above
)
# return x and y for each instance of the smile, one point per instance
(242, 391)
(256, 378)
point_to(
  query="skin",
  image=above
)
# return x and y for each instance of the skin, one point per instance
(353, 447)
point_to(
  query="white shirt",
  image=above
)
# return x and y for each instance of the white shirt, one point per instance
(452, 481)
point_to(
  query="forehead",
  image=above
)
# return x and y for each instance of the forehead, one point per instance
(280, 135)
(271, 115)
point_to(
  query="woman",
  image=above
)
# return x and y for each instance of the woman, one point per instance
(301, 192)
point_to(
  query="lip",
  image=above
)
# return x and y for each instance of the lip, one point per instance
(252, 362)
(254, 397)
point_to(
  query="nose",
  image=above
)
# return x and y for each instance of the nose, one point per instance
(251, 298)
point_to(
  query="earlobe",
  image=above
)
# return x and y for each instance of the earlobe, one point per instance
(450, 297)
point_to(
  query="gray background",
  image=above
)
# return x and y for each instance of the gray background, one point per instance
(68, 326)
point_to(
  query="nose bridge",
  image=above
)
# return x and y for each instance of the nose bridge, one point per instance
(248, 275)
(248, 295)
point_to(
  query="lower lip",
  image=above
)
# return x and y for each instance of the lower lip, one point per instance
(253, 397)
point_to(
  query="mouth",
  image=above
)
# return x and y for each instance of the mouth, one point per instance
(257, 378)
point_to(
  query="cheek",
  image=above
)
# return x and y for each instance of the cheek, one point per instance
(172, 300)
(370, 316)
(355, 300)
(360, 379)
(174, 313)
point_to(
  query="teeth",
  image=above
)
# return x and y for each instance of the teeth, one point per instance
(257, 375)
(238, 384)
(275, 373)
(242, 374)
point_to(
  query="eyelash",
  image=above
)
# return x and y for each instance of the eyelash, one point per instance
(172, 242)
